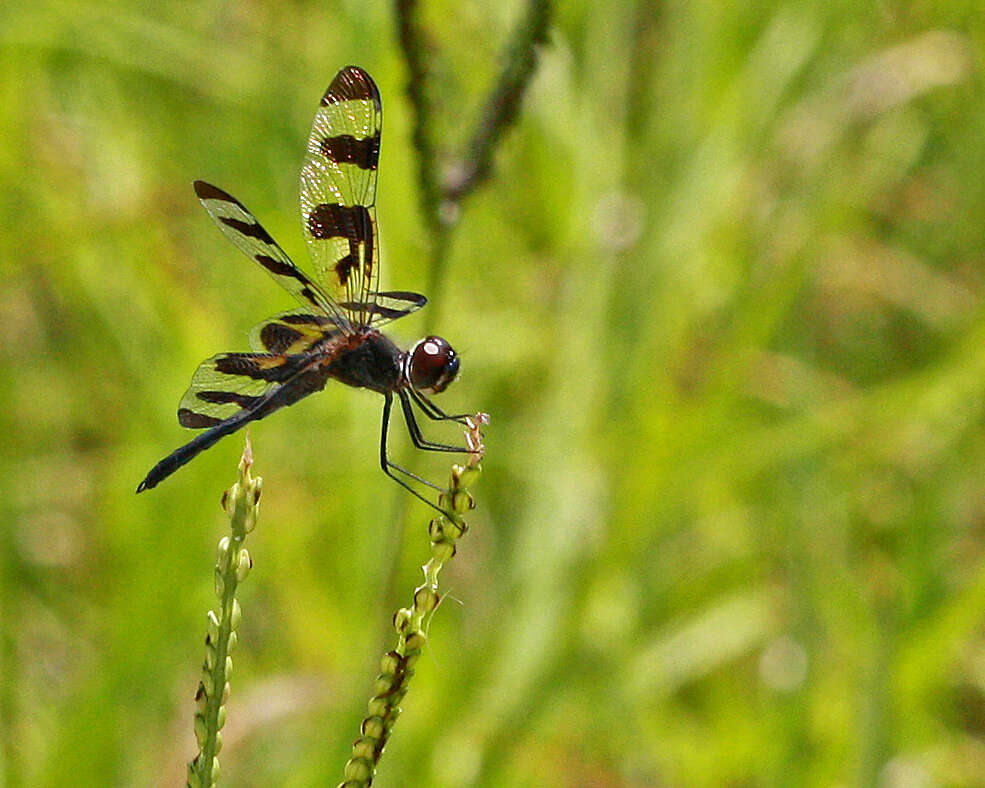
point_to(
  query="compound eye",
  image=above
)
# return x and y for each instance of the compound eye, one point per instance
(433, 365)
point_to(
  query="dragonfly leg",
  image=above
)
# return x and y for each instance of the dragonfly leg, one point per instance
(415, 431)
(432, 411)
(388, 467)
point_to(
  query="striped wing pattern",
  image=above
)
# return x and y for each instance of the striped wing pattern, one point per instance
(384, 307)
(292, 332)
(338, 195)
(295, 353)
(338, 190)
(225, 384)
(247, 234)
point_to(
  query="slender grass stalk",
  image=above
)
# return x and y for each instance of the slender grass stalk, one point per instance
(417, 46)
(241, 503)
(444, 184)
(502, 105)
(397, 666)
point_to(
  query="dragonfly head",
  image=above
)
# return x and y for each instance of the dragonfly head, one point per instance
(432, 365)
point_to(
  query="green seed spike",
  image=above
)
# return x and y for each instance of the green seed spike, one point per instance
(396, 666)
(240, 503)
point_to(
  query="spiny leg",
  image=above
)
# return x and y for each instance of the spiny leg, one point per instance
(415, 477)
(432, 411)
(415, 431)
(386, 465)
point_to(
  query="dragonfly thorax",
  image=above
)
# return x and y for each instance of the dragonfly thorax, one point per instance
(431, 365)
(367, 360)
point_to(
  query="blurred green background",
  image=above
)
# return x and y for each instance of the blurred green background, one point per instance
(723, 300)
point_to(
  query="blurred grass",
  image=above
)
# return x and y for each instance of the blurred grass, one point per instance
(723, 300)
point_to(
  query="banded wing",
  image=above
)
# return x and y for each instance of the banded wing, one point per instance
(247, 234)
(384, 307)
(292, 332)
(226, 384)
(338, 191)
(299, 331)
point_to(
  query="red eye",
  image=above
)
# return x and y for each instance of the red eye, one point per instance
(433, 365)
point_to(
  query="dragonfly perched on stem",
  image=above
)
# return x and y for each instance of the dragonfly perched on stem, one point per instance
(335, 334)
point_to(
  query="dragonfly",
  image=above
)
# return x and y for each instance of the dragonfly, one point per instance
(335, 332)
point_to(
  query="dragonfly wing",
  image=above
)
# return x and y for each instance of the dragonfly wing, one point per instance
(385, 307)
(226, 384)
(338, 190)
(292, 332)
(248, 235)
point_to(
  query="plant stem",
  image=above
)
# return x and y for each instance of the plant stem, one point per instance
(241, 503)
(397, 666)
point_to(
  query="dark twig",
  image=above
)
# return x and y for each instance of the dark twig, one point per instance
(442, 189)
(501, 108)
(417, 50)
(645, 49)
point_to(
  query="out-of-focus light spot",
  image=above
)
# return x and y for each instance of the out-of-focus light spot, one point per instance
(901, 72)
(783, 664)
(50, 538)
(904, 772)
(858, 267)
(694, 647)
(618, 220)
